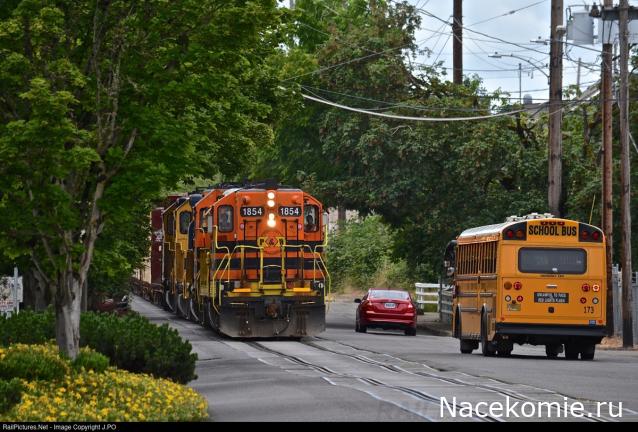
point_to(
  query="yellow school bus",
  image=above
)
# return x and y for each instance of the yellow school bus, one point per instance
(535, 279)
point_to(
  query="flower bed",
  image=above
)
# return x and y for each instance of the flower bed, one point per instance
(111, 395)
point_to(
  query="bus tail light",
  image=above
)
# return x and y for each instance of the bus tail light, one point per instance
(595, 288)
(508, 285)
(585, 287)
(509, 233)
(595, 236)
(518, 286)
(584, 234)
(519, 299)
(583, 300)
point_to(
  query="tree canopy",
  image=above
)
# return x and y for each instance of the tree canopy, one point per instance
(106, 103)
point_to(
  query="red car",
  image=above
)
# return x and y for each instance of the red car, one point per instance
(386, 309)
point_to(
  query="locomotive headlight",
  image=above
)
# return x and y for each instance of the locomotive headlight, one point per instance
(271, 203)
(271, 195)
(271, 220)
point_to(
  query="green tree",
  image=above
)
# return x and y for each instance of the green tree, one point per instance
(104, 104)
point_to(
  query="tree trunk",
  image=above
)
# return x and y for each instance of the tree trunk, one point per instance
(35, 290)
(85, 296)
(341, 217)
(67, 315)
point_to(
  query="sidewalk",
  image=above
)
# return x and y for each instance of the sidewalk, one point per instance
(429, 323)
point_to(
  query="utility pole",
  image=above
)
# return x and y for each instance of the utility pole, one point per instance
(608, 220)
(625, 191)
(555, 154)
(457, 47)
(520, 83)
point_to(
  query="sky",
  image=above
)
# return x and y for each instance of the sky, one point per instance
(521, 27)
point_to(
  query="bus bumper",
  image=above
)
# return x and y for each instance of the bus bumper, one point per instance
(549, 333)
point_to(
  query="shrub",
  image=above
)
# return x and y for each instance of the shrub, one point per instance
(360, 256)
(90, 360)
(135, 344)
(130, 342)
(10, 393)
(33, 362)
(27, 327)
(114, 395)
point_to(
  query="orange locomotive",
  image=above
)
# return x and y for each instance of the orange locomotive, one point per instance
(246, 260)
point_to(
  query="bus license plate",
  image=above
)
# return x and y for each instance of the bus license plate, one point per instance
(551, 297)
(390, 305)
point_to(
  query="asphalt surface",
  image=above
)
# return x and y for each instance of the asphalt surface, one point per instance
(386, 376)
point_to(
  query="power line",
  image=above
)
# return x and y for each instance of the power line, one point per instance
(512, 12)
(399, 117)
(481, 33)
(434, 119)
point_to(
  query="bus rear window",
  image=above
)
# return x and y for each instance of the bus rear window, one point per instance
(552, 261)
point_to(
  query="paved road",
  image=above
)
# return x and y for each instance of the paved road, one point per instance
(386, 376)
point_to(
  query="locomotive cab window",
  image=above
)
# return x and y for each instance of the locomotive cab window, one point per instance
(310, 218)
(184, 222)
(225, 218)
(202, 218)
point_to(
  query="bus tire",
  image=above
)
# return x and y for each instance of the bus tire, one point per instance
(467, 346)
(588, 351)
(552, 350)
(504, 349)
(487, 347)
(571, 351)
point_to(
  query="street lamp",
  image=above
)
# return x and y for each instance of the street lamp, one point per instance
(520, 70)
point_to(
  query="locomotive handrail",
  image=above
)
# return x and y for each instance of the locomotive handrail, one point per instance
(224, 264)
(326, 274)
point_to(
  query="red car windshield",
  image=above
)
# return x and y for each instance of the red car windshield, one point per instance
(386, 294)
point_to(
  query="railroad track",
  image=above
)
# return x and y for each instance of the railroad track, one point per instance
(389, 385)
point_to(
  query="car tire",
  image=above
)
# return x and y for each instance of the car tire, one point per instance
(410, 331)
(358, 327)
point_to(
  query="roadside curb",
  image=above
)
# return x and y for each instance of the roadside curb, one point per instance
(434, 328)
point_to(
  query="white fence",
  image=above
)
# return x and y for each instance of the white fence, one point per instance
(616, 277)
(427, 293)
(445, 304)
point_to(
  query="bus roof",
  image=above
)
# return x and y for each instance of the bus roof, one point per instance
(485, 230)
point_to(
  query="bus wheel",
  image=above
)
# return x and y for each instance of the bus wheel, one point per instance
(552, 350)
(504, 349)
(487, 347)
(571, 351)
(587, 351)
(467, 346)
